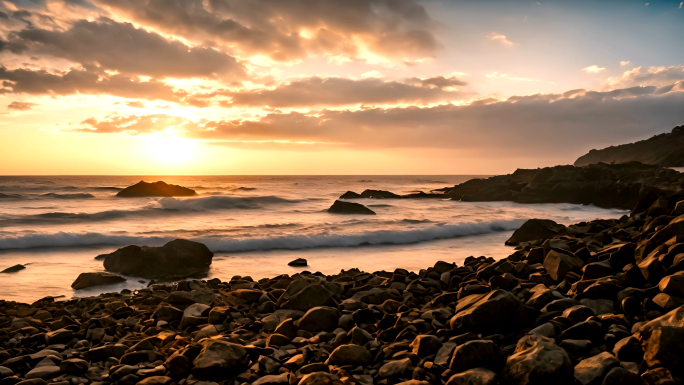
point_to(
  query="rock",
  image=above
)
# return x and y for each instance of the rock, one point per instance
(298, 262)
(178, 258)
(535, 229)
(628, 349)
(477, 354)
(350, 195)
(379, 194)
(559, 264)
(620, 376)
(475, 376)
(341, 207)
(591, 370)
(220, 359)
(317, 319)
(43, 372)
(86, 280)
(309, 297)
(13, 269)
(273, 379)
(425, 345)
(350, 355)
(75, 366)
(496, 311)
(673, 285)
(156, 380)
(156, 189)
(537, 360)
(665, 347)
(395, 368)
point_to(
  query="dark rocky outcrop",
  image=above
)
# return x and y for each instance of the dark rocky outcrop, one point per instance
(370, 194)
(342, 207)
(665, 150)
(14, 269)
(156, 189)
(86, 280)
(298, 262)
(178, 258)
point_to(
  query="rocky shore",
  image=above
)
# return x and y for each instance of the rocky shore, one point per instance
(598, 302)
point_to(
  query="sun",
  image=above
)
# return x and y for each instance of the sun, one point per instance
(170, 149)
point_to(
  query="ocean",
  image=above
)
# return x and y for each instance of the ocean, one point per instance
(255, 225)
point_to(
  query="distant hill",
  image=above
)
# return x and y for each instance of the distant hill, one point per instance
(665, 150)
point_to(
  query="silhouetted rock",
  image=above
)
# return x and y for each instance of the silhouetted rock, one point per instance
(13, 269)
(350, 195)
(85, 280)
(298, 262)
(341, 207)
(178, 258)
(666, 150)
(535, 229)
(156, 189)
(379, 194)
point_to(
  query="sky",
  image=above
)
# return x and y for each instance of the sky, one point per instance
(295, 87)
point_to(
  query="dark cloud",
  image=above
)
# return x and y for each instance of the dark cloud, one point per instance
(437, 82)
(25, 81)
(124, 48)
(316, 91)
(21, 106)
(392, 28)
(524, 126)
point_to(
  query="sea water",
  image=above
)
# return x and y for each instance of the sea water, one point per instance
(254, 225)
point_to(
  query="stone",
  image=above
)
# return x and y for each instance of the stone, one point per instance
(496, 311)
(535, 229)
(620, 376)
(309, 297)
(319, 378)
(298, 262)
(425, 345)
(273, 379)
(665, 347)
(220, 359)
(475, 376)
(43, 372)
(350, 355)
(176, 259)
(75, 366)
(477, 354)
(559, 264)
(537, 361)
(317, 319)
(395, 368)
(591, 370)
(85, 280)
(597, 270)
(628, 349)
(342, 207)
(60, 336)
(156, 189)
(14, 269)
(156, 380)
(673, 285)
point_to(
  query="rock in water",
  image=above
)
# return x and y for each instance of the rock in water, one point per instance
(298, 262)
(13, 269)
(340, 207)
(350, 195)
(156, 189)
(176, 259)
(535, 229)
(85, 280)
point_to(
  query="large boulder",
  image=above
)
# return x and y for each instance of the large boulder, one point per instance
(475, 376)
(558, 264)
(350, 355)
(535, 229)
(537, 360)
(156, 189)
(477, 354)
(341, 207)
(308, 297)
(591, 370)
(176, 259)
(219, 360)
(318, 319)
(665, 347)
(13, 269)
(496, 312)
(86, 280)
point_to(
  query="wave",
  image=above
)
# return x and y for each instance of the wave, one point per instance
(69, 196)
(221, 202)
(10, 196)
(292, 242)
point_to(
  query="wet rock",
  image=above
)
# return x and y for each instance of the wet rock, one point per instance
(498, 310)
(156, 189)
(559, 264)
(86, 280)
(537, 360)
(178, 258)
(342, 207)
(14, 269)
(535, 229)
(300, 262)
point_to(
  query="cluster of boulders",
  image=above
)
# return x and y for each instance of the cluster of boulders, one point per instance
(605, 185)
(594, 303)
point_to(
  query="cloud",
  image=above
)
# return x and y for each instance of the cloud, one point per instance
(136, 104)
(121, 47)
(293, 29)
(134, 125)
(523, 79)
(545, 125)
(21, 106)
(593, 68)
(659, 76)
(495, 75)
(624, 63)
(500, 38)
(326, 92)
(26, 81)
